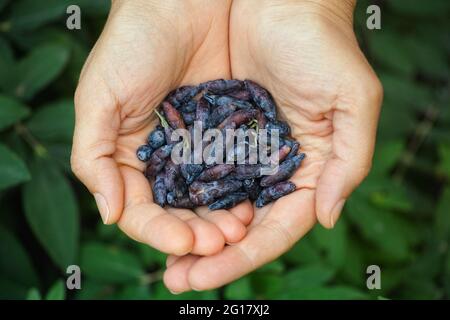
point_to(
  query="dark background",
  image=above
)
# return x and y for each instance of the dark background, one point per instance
(399, 219)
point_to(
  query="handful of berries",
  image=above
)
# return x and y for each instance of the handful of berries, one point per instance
(252, 168)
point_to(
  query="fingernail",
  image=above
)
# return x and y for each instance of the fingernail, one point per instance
(336, 212)
(175, 293)
(102, 207)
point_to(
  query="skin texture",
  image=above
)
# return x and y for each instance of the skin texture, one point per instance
(303, 52)
(147, 49)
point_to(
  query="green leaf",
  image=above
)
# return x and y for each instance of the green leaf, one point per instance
(444, 155)
(150, 256)
(3, 4)
(52, 212)
(442, 217)
(38, 69)
(15, 263)
(306, 277)
(389, 49)
(92, 290)
(267, 285)
(34, 294)
(420, 8)
(333, 243)
(403, 94)
(31, 14)
(327, 293)
(239, 290)
(110, 264)
(134, 292)
(7, 62)
(389, 232)
(387, 153)
(303, 251)
(57, 291)
(11, 111)
(53, 122)
(12, 169)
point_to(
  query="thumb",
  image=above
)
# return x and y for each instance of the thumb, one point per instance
(96, 129)
(354, 134)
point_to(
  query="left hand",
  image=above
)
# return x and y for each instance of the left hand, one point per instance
(306, 54)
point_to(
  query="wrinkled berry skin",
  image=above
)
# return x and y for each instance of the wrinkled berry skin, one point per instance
(156, 138)
(285, 171)
(183, 202)
(220, 101)
(182, 95)
(248, 171)
(221, 86)
(274, 192)
(237, 118)
(219, 114)
(252, 188)
(220, 104)
(280, 155)
(228, 201)
(281, 126)
(158, 160)
(215, 173)
(191, 171)
(144, 153)
(159, 190)
(173, 116)
(203, 193)
(202, 113)
(242, 95)
(295, 146)
(188, 107)
(262, 98)
(171, 173)
(188, 117)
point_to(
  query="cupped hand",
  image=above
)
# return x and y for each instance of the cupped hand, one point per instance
(147, 49)
(306, 54)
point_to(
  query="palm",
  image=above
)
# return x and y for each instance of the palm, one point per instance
(132, 83)
(306, 68)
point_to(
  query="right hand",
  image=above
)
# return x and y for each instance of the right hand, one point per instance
(145, 50)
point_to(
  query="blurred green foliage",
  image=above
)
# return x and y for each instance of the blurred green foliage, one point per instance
(398, 219)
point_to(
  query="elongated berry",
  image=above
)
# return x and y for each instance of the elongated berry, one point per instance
(221, 86)
(215, 173)
(282, 127)
(203, 193)
(228, 201)
(285, 171)
(173, 116)
(274, 192)
(159, 190)
(262, 98)
(252, 187)
(158, 160)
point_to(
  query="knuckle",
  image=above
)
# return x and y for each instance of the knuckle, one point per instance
(77, 166)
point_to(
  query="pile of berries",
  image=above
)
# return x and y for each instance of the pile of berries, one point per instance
(219, 104)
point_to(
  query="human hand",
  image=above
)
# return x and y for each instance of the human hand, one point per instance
(146, 49)
(306, 54)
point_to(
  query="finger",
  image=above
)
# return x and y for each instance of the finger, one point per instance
(147, 222)
(208, 239)
(231, 227)
(244, 212)
(96, 129)
(288, 220)
(176, 278)
(353, 146)
(171, 259)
